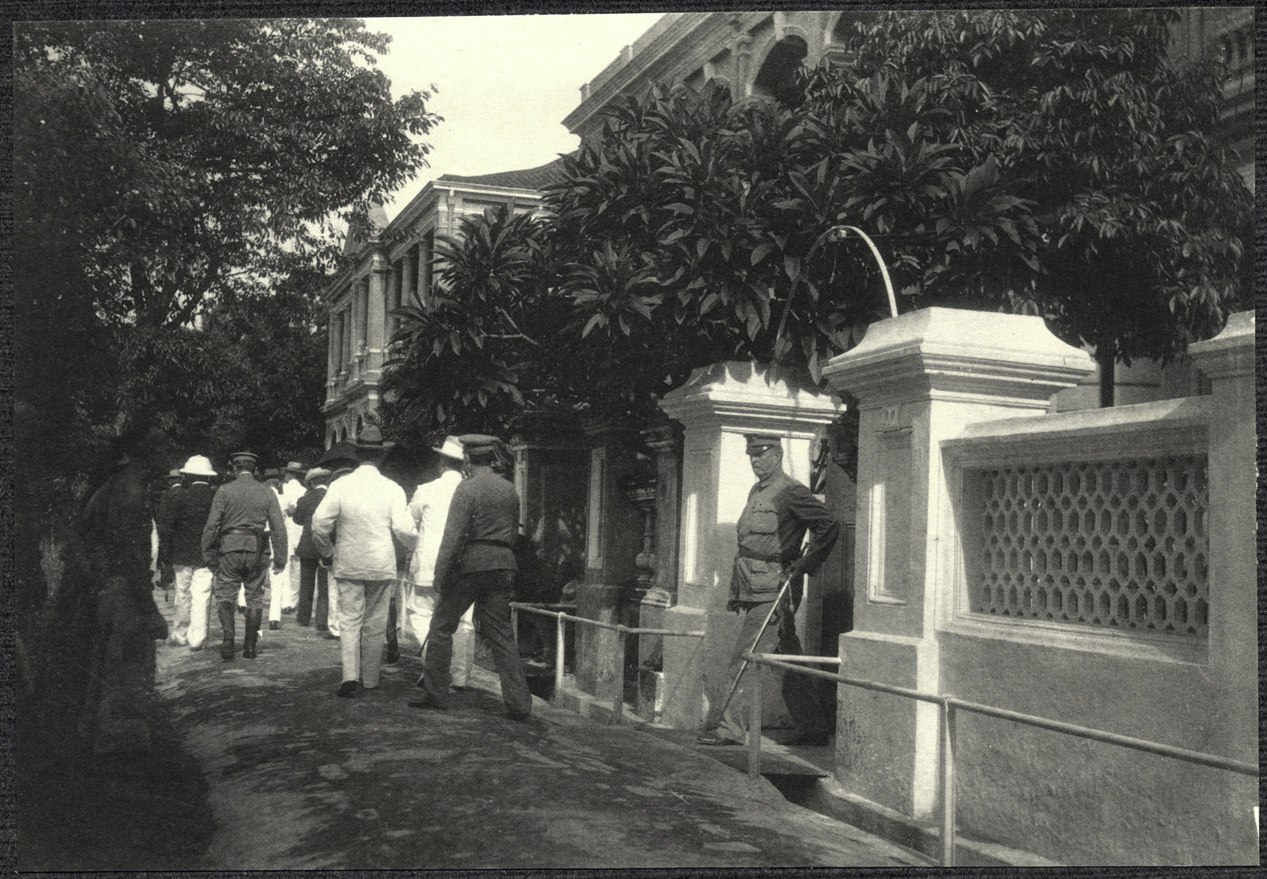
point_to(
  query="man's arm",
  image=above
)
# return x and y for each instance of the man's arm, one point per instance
(822, 525)
(277, 531)
(455, 528)
(211, 531)
(402, 521)
(165, 522)
(323, 518)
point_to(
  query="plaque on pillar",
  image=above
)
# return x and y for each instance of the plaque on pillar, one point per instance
(665, 440)
(640, 490)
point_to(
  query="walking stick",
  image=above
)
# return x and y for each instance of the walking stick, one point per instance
(735, 684)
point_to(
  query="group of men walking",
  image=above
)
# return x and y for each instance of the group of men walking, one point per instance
(429, 564)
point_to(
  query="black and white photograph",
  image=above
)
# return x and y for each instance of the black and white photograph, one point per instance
(504, 437)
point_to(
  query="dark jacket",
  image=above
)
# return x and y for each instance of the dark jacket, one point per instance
(181, 518)
(772, 527)
(304, 508)
(480, 532)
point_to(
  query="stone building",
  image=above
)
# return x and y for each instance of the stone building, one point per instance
(390, 264)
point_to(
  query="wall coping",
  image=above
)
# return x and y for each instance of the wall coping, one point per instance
(748, 393)
(1231, 352)
(986, 356)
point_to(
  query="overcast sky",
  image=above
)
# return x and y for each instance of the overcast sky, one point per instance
(504, 83)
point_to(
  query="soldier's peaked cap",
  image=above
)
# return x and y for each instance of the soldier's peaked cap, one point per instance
(244, 456)
(759, 442)
(478, 442)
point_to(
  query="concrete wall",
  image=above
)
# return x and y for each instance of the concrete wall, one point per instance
(939, 410)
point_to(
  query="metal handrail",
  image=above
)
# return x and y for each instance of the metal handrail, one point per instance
(623, 631)
(949, 705)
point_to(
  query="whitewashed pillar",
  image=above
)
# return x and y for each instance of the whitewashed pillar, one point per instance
(717, 406)
(1228, 361)
(920, 378)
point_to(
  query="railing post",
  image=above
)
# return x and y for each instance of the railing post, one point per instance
(558, 656)
(947, 784)
(754, 721)
(618, 702)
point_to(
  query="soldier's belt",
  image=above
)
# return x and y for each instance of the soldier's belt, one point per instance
(761, 557)
(503, 544)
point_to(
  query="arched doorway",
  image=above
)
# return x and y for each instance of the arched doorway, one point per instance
(774, 79)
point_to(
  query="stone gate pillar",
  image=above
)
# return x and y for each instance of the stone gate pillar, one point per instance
(920, 378)
(717, 406)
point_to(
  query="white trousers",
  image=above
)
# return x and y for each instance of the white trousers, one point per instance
(419, 608)
(362, 622)
(193, 599)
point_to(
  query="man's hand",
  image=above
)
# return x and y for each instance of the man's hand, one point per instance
(733, 606)
(278, 567)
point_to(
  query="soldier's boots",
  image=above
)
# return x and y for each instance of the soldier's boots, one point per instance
(254, 616)
(225, 611)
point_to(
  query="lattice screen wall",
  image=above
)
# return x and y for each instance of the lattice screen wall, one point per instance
(1119, 544)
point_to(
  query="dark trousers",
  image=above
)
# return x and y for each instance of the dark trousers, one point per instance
(490, 592)
(314, 581)
(799, 691)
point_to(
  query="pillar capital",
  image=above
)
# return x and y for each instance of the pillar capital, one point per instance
(1230, 354)
(953, 354)
(748, 397)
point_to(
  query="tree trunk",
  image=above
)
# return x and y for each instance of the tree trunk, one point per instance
(1104, 351)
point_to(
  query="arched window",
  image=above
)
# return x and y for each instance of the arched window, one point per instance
(780, 65)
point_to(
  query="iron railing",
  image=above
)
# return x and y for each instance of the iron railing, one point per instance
(560, 617)
(948, 706)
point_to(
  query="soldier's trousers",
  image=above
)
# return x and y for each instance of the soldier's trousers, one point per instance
(799, 691)
(247, 570)
(490, 592)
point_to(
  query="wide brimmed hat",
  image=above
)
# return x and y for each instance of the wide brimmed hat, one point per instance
(198, 465)
(315, 473)
(370, 439)
(450, 448)
(295, 467)
(339, 453)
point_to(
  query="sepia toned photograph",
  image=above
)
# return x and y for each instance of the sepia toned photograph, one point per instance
(627, 439)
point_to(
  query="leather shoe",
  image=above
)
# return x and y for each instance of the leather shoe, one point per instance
(348, 689)
(712, 738)
(274, 625)
(426, 702)
(520, 716)
(393, 656)
(807, 739)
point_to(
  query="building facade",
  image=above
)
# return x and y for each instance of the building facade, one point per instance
(392, 263)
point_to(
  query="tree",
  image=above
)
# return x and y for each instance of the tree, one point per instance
(1053, 162)
(1140, 222)
(217, 146)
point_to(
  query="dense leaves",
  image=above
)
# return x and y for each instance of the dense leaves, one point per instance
(1047, 161)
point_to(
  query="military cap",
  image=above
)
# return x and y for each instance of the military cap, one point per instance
(478, 442)
(759, 442)
(173, 474)
(272, 473)
(250, 457)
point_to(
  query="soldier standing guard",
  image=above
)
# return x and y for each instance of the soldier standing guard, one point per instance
(771, 530)
(235, 547)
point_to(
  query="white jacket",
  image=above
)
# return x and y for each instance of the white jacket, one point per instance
(364, 510)
(430, 508)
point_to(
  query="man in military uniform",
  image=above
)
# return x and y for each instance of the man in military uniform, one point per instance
(235, 546)
(771, 530)
(476, 565)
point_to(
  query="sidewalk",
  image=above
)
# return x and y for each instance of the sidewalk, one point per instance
(301, 779)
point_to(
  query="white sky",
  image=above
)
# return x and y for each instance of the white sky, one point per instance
(504, 83)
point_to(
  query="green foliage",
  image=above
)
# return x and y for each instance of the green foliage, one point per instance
(1049, 161)
(210, 149)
